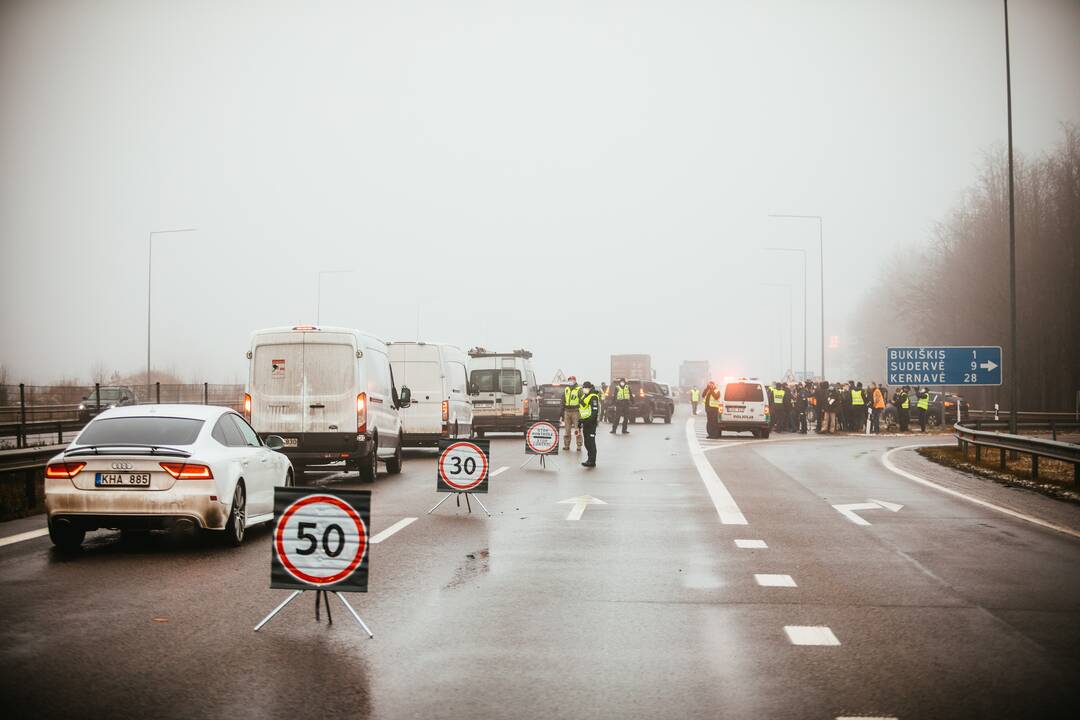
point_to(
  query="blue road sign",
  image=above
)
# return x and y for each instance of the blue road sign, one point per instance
(978, 365)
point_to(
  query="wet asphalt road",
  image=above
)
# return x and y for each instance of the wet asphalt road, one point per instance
(643, 608)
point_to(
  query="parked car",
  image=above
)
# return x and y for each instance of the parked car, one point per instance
(744, 405)
(505, 395)
(648, 401)
(105, 397)
(329, 393)
(552, 400)
(933, 417)
(150, 467)
(437, 378)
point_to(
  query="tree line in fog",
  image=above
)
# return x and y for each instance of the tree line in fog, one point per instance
(955, 289)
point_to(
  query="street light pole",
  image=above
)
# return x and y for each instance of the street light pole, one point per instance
(318, 294)
(790, 315)
(149, 280)
(803, 251)
(821, 267)
(1014, 379)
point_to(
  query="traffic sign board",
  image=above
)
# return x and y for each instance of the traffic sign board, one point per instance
(967, 365)
(542, 438)
(463, 466)
(320, 540)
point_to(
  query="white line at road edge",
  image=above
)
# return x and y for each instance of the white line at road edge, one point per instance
(725, 504)
(399, 525)
(12, 539)
(956, 493)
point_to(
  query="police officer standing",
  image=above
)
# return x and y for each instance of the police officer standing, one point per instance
(711, 396)
(622, 406)
(902, 400)
(571, 398)
(589, 415)
(695, 398)
(779, 416)
(922, 406)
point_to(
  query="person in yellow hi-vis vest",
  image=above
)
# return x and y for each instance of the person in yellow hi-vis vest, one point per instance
(922, 406)
(622, 406)
(695, 398)
(571, 400)
(712, 410)
(589, 414)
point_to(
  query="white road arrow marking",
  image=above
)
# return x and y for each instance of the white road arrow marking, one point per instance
(580, 503)
(988, 365)
(848, 510)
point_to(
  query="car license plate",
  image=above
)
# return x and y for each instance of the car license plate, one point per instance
(290, 442)
(742, 416)
(122, 480)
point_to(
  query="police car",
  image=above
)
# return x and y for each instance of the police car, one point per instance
(744, 405)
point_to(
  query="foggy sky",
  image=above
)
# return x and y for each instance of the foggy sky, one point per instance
(579, 178)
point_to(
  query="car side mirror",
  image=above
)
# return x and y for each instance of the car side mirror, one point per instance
(274, 442)
(84, 397)
(405, 398)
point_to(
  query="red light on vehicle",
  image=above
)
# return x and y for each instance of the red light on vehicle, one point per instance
(720, 408)
(525, 406)
(445, 410)
(64, 471)
(305, 328)
(247, 407)
(188, 471)
(641, 392)
(361, 413)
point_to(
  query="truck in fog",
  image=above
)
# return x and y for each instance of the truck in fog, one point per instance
(631, 367)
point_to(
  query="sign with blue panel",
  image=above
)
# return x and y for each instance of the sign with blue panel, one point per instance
(978, 365)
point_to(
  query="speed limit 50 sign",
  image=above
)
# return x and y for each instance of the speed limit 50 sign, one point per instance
(320, 540)
(463, 466)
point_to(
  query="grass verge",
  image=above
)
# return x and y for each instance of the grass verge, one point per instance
(1055, 478)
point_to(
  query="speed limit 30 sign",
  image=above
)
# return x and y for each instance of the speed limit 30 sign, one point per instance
(320, 540)
(463, 466)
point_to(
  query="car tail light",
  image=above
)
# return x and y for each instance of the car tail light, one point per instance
(641, 392)
(64, 471)
(948, 404)
(247, 407)
(720, 408)
(446, 411)
(361, 413)
(188, 471)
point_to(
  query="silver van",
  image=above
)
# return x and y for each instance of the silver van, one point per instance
(329, 393)
(437, 376)
(505, 395)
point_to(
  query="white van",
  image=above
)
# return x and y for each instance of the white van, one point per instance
(329, 393)
(504, 392)
(744, 405)
(437, 376)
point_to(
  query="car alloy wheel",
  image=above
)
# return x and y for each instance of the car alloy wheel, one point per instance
(234, 531)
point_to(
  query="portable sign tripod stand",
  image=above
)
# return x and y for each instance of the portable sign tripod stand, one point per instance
(459, 494)
(319, 594)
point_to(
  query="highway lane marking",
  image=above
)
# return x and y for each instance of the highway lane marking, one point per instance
(751, 544)
(888, 463)
(866, 717)
(725, 505)
(500, 471)
(580, 503)
(810, 635)
(849, 509)
(765, 580)
(399, 525)
(30, 535)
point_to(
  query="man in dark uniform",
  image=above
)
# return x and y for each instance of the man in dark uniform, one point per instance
(711, 397)
(589, 413)
(622, 406)
(902, 400)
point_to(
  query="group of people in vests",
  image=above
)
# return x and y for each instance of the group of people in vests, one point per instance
(844, 407)
(581, 414)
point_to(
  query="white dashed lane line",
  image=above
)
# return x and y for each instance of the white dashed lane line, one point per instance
(30, 535)
(751, 544)
(500, 471)
(810, 635)
(765, 580)
(399, 525)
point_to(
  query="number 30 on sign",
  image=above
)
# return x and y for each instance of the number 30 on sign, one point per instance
(463, 466)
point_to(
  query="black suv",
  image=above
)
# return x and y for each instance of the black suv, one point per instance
(552, 399)
(648, 400)
(111, 396)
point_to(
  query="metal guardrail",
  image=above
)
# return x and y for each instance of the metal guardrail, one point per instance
(1005, 443)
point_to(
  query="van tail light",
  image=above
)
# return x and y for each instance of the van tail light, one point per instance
(361, 413)
(641, 392)
(188, 471)
(64, 471)
(247, 407)
(525, 406)
(446, 411)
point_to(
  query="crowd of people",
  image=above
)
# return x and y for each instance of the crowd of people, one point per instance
(844, 407)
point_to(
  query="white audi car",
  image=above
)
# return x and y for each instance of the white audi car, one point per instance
(149, 467)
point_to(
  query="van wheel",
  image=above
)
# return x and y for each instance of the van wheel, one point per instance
(480, 433)
(667, 419)
(368, 466)
(66, 537)
(393, 465)
(764, 435)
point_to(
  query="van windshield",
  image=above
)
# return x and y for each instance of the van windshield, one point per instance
(743, 392)
(504, 381)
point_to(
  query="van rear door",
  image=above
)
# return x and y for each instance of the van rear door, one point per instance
(277, 382)
(424, 378)
(330, 385)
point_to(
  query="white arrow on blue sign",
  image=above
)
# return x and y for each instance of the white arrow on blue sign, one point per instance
(924, 366)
